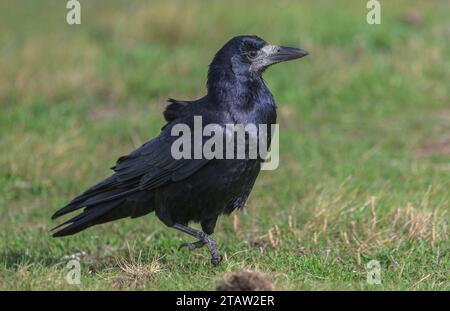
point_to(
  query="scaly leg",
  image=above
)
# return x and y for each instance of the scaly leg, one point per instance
(204, 238)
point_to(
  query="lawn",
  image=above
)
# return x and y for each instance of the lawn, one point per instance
(364, 142)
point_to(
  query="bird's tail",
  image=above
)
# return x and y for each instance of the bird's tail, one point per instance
(102, 203)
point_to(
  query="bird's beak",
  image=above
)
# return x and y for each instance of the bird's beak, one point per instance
(273, 54)
(283, 53)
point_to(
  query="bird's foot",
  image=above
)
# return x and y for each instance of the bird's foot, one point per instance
(204, 239)
(216, 257)
(192, 246)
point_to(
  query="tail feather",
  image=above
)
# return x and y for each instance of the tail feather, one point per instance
(90, 216)
(93, 197)
(105, 207)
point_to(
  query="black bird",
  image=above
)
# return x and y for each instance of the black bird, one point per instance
(190, 190)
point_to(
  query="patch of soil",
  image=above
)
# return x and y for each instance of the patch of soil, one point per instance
(246, 280)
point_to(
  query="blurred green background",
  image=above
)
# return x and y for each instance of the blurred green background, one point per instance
(364, 141)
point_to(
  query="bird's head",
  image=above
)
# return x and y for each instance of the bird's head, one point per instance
(251, 55)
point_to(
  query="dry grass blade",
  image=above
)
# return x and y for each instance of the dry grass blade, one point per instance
(134, 271)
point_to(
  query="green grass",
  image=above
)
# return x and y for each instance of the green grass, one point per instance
(364, 141)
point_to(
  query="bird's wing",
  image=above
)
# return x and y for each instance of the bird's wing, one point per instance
(153, 164)
(148, 167)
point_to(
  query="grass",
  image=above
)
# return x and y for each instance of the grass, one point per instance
(364, 142)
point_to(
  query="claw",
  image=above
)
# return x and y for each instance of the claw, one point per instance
(216, 260)
(182, 245)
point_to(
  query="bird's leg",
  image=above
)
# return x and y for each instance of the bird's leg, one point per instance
(204, 238)
(208, 226)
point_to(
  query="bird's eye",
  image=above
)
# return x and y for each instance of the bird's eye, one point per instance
(252, 54)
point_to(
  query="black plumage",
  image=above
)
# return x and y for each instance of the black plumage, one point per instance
(149, 179)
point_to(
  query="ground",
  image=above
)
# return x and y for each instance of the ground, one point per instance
(364, 142)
